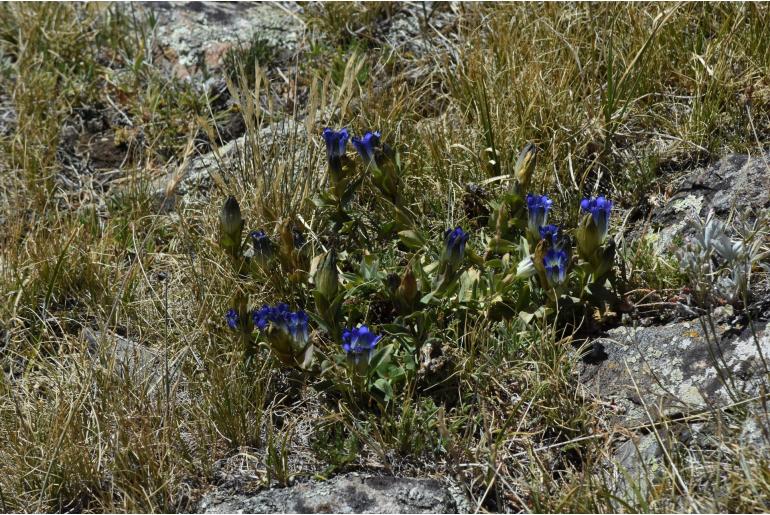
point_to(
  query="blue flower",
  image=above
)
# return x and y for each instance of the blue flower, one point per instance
(454, 245)
(232, 318)
(555, 263)
(358, 341)
(336, 141)
(296, 324)
(261, 243)
(537, 207)
(367, 145)
(549, 232)
(599, 208)
(271, 315)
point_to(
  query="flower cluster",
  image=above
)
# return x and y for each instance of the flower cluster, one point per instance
(294, 324)
(376, 155)
(552, 254)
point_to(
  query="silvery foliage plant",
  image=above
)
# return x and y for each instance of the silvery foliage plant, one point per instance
(719, 262)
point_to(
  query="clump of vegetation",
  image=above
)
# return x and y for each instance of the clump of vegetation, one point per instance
(416, 307)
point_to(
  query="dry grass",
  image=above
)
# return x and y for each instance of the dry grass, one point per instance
(617, 96)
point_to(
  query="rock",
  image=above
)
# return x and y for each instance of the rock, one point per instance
(193, 37)
(131, 361)
(638, 460)
(350, 493)
(7, 115)
(191, 183)
(735, 181)
(650, 373)
(674, 369)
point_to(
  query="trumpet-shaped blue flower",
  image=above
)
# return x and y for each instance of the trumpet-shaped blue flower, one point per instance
(359, 340)
(232, 318)
(261, 243)
(537, 207)
(286, 332)
(296, 325)
(267, 315)
(599, 208)
(555, 263)
(549, 233)
(366, 146)
(454, 245)
(336, 142)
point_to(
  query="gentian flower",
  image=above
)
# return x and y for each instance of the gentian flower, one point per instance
(454, 246)
(359, 341)
(286, 332)
(367, 145)
(549, 233)
(260, 242)
(271, 315)
(297, 327)
(555, 263)
(336, 142)
(599, 208)
(232, 318)
(537, 207)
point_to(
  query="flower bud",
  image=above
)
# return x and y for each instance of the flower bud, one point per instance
(525, 165)
(230, 226)
(526, 268)
(326, 277)
(406, 294)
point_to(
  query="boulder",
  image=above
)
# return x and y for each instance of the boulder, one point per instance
(652, 372)
(349, 493)
(194, 37)
(736, 181)
(675, 375)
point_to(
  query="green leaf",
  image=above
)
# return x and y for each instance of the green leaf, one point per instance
(384, 386)
(411, 239)
(380, 358)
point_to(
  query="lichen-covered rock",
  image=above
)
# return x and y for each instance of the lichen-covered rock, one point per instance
(675, 368)
(646, 374)
(735, 181)
(349, 493)
(194, 37)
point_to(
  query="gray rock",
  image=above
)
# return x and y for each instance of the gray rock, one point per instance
(735, 181)
(674, 369)
(350, 493)
(195, 36)
(132, 361)
(7, 115)
(638, 461)
(191, 182)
